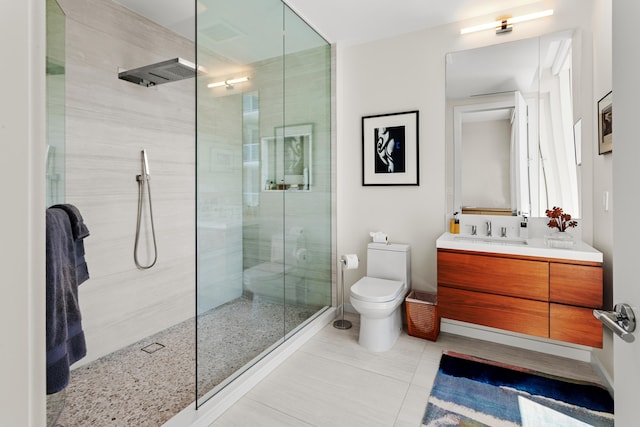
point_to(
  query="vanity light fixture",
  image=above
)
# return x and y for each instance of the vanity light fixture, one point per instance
(228, 83)
(504, 24)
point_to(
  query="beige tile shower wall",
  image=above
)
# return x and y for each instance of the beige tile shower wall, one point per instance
(306, 96)
(219, 197)
(307, 100)
(108, 122)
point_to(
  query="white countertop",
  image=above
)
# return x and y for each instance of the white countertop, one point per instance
(533, 247)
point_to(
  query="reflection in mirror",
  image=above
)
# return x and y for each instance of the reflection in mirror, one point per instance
(492, 171)
(514, 150)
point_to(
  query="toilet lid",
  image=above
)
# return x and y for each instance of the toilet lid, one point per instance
(372, 289)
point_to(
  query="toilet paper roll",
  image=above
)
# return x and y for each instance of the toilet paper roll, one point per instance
(350, 261)
(379, 237)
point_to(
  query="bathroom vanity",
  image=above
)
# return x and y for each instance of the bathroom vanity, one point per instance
(522, 286)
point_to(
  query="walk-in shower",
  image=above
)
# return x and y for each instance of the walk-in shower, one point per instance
(242, 212)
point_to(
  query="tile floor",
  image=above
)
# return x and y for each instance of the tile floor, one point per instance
(332, 381)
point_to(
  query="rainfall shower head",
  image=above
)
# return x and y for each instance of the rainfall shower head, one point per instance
(162, 72)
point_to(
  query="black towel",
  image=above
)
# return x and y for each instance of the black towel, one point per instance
(79, 231)
(64, 336)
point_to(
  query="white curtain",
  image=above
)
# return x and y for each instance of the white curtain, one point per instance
(519, 157)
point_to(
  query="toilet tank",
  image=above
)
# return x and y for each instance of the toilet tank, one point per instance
(389, 261)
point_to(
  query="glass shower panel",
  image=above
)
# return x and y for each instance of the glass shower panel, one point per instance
(307, 171)
(55, 83)
(55, 135)
(263, 183)
(239, 219)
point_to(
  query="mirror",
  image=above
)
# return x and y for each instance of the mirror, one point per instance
(513, 128)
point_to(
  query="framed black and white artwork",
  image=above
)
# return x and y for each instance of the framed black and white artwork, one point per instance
(605, 124)
(390, 149)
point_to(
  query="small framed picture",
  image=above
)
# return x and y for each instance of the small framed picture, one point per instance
(390, 149)
(605, 124)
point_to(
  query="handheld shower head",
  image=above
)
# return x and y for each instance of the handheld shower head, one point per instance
(143, 182)
(145, 163)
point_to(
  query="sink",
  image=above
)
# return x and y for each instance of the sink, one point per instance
(492, 240)
(533, 246)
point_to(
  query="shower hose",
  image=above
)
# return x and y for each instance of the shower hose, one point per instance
(142, 179)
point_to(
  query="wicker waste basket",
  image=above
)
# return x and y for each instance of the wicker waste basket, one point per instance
(422, 315)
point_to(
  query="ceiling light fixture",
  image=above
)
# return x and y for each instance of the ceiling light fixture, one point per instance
(504, 24)
(228, 83)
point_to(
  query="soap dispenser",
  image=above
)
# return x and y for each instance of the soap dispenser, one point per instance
(524, 228)
(454, 224)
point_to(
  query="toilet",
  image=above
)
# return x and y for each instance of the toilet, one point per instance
(379, 295)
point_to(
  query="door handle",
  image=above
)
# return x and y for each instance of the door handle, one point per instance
(621, 320)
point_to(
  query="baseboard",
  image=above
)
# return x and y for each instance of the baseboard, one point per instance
(576, 352)
(604, 375)
(218, 404)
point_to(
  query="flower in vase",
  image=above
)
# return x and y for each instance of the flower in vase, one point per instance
(559, 219)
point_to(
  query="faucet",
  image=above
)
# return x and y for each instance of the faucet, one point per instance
(489, 228)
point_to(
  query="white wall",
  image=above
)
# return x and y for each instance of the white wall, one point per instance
(408, 73)
(603, 165)
(22, 306)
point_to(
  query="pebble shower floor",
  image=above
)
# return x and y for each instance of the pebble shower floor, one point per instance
(150, 381)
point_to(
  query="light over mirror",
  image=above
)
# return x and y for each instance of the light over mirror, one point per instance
(514, 150)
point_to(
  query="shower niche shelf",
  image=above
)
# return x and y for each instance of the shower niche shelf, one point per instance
(289, 189)
(286, 161)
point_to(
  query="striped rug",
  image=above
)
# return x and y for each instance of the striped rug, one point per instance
(469, 391)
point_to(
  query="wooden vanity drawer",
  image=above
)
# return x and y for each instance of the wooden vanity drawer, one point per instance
(579, 285)
(496, 311)
(502, 276)
(574, 324)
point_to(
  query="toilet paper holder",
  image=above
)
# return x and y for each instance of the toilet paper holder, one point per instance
(346, 262)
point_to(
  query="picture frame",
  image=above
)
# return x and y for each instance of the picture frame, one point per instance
(286, 158)
(390, 149)
(605, 124)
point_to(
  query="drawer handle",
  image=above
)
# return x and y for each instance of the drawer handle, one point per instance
(621, 320)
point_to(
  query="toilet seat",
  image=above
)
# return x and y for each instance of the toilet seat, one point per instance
(372, 289)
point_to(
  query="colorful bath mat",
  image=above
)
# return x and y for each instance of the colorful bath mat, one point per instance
(469, 391)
